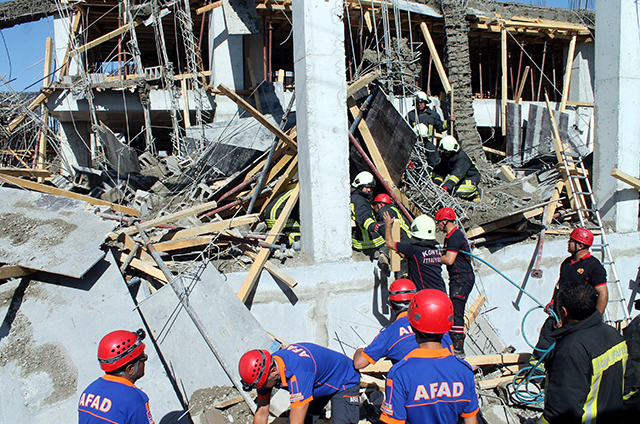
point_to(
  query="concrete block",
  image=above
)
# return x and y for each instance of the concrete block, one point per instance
(121, 157)
(45, 232)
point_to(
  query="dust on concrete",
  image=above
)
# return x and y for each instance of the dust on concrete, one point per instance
(203, 400)
(51, 359)
(20, 229)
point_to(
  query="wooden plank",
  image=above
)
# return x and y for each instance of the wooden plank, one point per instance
(64, 193)
(25, 172)
(507, 173)
(472, 313)
(492, 384)
(367, 20)
(42, 144)
(271, 268)
(567, 74)
(32, 106)
(149, 268)
(521, 84)
(108, 36)
(436, 57)
(581, 104)
(626, 178)
(254, 83)
(278, 189)
(194, 210)
(263, 254)
(494, 151)
(498, 359)
(227, 403)
(258, 116)
(370, 381)
(212, 227)
(13, 271)
(275, 170)
(379, 367)
(557, 191)
(169, 246)
(362, 82)
(185, 103)
(566, 232)
(503, 89)
(203, 9)
(492, 226)
(395, 235)
(190, 75)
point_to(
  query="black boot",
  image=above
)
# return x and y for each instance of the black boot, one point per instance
(458, 344)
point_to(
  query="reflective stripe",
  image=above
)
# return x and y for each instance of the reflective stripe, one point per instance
(453, 178)
(366, 242)
(600, 364)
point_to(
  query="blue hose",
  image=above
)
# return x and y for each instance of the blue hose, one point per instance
(535, 371)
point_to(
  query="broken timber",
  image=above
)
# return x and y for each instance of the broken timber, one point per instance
(626, 178)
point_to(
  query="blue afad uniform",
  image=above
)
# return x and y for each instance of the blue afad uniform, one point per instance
(112, 399)
(429, 386)
(314, 374)
(395, 341)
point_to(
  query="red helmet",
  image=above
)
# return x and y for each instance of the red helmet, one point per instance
(402, 290)
(582, 235)
(382, 198)
(120, 347)
(431, 311)
(254, 368)
(445, 213)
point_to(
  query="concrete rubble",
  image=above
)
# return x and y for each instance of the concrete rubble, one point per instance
(144, 205)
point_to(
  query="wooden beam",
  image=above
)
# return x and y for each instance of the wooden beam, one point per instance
(504, 88)
(258, 116)
(581, 104)
(370, 381)
(25, 172)
(64, 193)
(498, 359)
(557, 142)
(624, 177)
(494, 151)
(185, 103)
(472, 313)
(165, 219)
(492, 384)
(567, 74)
(190, 75)
(42, 144)
(108, 36)
(521, 84)
(379, 367)
(271, 268)
(557, 191)
(263, 254)
(13, 271)
(289, 173)
(203, 9)
(170, 246)
(436, 57)
(512, 218)
(362, 82)
(212, 227)
(395, 235)
(32, 106)
(149, 268)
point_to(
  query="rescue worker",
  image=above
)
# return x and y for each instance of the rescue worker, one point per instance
(428, 143)
(456, 172)
(461, 275)
(113, 397)
(383, 203)
(313, 375)
(396, 340)
(422, 253)
(364, 237)
(586, 368)
(579, 267)
(292, 226)
(430, 385)
(427, 116)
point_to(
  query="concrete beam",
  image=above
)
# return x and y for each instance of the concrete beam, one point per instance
(321, 113)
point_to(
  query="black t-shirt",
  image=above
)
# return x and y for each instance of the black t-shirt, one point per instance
(461, 272)
(586, 270)
(425, 265)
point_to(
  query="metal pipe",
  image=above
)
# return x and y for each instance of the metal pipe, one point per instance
(238, 188)
(270, 79)
(544, 56)
(480, 71)
(264, 50)
(519, 69)
(373, 168)
(429, 76)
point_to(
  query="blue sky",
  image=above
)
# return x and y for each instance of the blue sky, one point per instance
(25, 46)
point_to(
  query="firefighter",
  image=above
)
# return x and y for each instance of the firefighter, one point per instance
(427, 116)
(456, 173)
(292, 226)
(396, 340)
(383, 203)
(114, 397)
(364, 237)
(313, 375)
(430, 385)
(461, 275)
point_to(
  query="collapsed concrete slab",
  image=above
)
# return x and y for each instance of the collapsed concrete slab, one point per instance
(44, 232)
(49, 341)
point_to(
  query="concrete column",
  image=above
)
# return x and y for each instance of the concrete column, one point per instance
(321, 114)
(62, 31)
(226, 63)
(582, 78)
(75, 142)
(617, 143)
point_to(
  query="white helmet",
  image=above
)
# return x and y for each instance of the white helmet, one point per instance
(423, 227)
(364, 179)
(421, 130)
(421, 96)
(449, 144)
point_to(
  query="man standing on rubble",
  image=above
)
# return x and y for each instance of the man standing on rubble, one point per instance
(586, 368)
(456, 173)
(313, 375)
(396, 340)
(427, 116)
(421, 253)
(114, 398)
(364, 236)
(430, 385)
(461, 275)
(579, 267)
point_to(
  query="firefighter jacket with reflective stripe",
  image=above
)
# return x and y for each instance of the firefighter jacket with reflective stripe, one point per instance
(274, 209)
(457, 167)
(430, 118)
(405, 235)
(585, 373)
(363, 235)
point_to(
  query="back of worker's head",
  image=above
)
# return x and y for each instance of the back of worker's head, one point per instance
(401, 292)
(430, 314)
(118, 349)
(423, 227)
(579, 299)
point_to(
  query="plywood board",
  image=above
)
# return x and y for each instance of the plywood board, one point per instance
(49, 233)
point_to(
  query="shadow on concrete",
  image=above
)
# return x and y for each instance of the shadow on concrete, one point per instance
(14, 307)
(85, 283)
